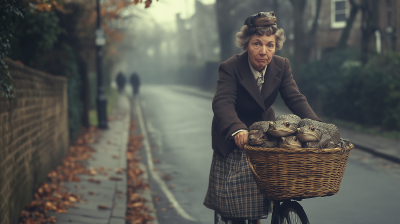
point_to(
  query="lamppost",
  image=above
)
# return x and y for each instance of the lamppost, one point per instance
(101, 99)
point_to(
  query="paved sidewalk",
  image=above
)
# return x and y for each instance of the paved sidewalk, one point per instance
(109, 194)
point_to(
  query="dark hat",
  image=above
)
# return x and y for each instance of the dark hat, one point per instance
(261, 19)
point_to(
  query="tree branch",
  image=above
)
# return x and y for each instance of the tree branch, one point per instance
(349, 23)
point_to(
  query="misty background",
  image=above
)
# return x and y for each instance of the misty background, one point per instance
(177, 42)
(344, 54)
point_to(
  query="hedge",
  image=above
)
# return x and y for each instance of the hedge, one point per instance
(366, 94)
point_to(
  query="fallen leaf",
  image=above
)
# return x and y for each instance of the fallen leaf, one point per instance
(166, 177)
(94, 181)
(102, 207)
(120, 170)
(116, 178)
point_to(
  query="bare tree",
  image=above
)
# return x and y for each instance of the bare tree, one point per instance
(369, 24)
(303, 41)
(226, 22)
(349, 24)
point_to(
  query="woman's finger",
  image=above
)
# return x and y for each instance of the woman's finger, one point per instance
(241, 138)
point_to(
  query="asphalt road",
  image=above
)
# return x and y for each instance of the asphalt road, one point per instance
(177, 123)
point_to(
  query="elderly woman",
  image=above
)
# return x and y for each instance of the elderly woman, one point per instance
(248, 85)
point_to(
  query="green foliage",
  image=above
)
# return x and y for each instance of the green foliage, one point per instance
(10, 10)
(75, 104)
(46, 40)
(6, 85)
(92, 76)
(368, 95)
(35, 35)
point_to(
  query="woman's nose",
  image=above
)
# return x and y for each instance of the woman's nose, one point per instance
(263, 50)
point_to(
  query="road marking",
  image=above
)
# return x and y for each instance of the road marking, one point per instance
(156, 135)
(155, 176)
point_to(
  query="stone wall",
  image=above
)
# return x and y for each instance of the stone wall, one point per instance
(33, 136)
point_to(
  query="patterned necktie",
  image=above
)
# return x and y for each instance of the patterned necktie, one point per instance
(260, 81)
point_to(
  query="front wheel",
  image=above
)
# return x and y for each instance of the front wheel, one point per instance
(292, 213)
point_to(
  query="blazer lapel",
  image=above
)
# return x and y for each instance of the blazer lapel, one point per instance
(248, 81)
(270, 79)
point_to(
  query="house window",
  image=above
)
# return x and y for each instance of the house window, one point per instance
(339, 9)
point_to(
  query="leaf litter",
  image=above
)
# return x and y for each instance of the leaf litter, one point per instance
(53, 196)
(137, 211)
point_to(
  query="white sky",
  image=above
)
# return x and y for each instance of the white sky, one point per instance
(164, 12)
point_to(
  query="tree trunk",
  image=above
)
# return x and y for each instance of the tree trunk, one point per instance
(299, 57)
(225, 28)
(370, 20)
(85, 93)
(311, 36)
(349, 24)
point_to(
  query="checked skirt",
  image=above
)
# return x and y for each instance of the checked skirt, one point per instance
(232, 191)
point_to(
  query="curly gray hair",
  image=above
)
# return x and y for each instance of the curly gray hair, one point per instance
(244, 35)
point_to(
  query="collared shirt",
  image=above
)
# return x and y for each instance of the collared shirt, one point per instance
(259, 77)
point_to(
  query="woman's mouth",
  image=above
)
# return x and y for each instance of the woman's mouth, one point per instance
(262, 60)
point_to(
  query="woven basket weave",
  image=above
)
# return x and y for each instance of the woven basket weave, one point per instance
(297, 173)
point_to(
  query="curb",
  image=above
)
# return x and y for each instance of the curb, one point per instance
(376, 153)
(146, 194)
(198, 92)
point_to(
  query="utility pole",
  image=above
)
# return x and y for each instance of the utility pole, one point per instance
(101, 99)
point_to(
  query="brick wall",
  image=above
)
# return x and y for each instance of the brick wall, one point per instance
(33, 136)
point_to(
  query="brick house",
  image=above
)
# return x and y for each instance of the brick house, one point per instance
(332, 21)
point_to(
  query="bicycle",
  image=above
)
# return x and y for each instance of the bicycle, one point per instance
(284, 167)
(289, 212)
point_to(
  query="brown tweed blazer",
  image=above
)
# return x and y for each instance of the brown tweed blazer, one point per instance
(238, 102)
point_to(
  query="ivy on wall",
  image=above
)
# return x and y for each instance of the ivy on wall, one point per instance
(10, 11)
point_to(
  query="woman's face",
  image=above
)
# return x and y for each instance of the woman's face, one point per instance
(261, 49)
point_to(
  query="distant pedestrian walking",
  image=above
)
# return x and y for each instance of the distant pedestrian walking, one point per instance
(121, 80)
(135, 82)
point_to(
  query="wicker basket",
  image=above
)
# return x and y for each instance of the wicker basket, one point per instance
(297, 173)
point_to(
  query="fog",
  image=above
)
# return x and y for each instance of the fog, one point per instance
(158, 42)
(177, 42)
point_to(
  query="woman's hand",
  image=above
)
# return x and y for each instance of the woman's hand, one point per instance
(241, 138)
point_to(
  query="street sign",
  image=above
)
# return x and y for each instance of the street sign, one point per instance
(100, 37)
